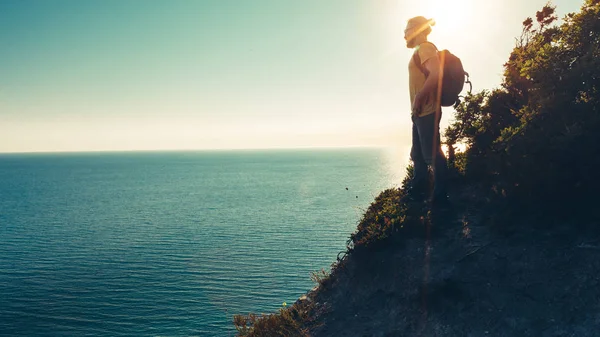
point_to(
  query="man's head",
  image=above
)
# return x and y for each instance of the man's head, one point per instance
(417, 30)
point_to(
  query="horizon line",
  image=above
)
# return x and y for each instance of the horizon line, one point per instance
(324, 147)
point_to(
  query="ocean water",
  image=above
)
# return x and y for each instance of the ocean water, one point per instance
(172, 243)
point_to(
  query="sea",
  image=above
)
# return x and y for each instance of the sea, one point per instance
(173, 243)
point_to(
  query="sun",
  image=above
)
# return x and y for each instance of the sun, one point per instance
(452, 18)
(451, 15)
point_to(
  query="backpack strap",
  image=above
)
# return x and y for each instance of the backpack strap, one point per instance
(417, 60)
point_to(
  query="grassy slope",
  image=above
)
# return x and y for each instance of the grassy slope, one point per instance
(449, 274)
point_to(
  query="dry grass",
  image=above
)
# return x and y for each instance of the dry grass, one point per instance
(288, 322)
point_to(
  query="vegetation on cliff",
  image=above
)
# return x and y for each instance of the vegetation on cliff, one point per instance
(518, 253)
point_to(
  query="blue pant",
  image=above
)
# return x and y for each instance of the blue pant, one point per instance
(427, 151)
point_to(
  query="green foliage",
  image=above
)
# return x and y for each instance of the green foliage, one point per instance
(383, 217)
(535, 141)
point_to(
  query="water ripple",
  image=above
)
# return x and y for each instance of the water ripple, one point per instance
(169, 244)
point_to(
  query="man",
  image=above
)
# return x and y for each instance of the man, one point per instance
(426, 113)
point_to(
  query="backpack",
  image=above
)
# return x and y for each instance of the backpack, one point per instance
(454, 76)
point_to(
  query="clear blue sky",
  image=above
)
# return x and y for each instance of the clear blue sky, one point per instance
(140, 75)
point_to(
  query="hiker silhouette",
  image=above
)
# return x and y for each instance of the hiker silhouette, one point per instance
(425, 78)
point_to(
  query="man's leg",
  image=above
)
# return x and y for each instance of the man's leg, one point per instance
(429, 135)
(420, 182)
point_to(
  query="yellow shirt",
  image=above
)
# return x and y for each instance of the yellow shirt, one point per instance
(416, 78)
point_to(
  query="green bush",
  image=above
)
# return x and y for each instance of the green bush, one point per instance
(535, 141)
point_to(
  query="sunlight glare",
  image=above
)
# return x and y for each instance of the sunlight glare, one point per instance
(451, 15)
(453, 19)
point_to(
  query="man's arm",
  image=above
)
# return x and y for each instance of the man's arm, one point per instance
(433, 66)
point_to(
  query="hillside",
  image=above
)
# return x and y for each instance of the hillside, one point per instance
(519, 252)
